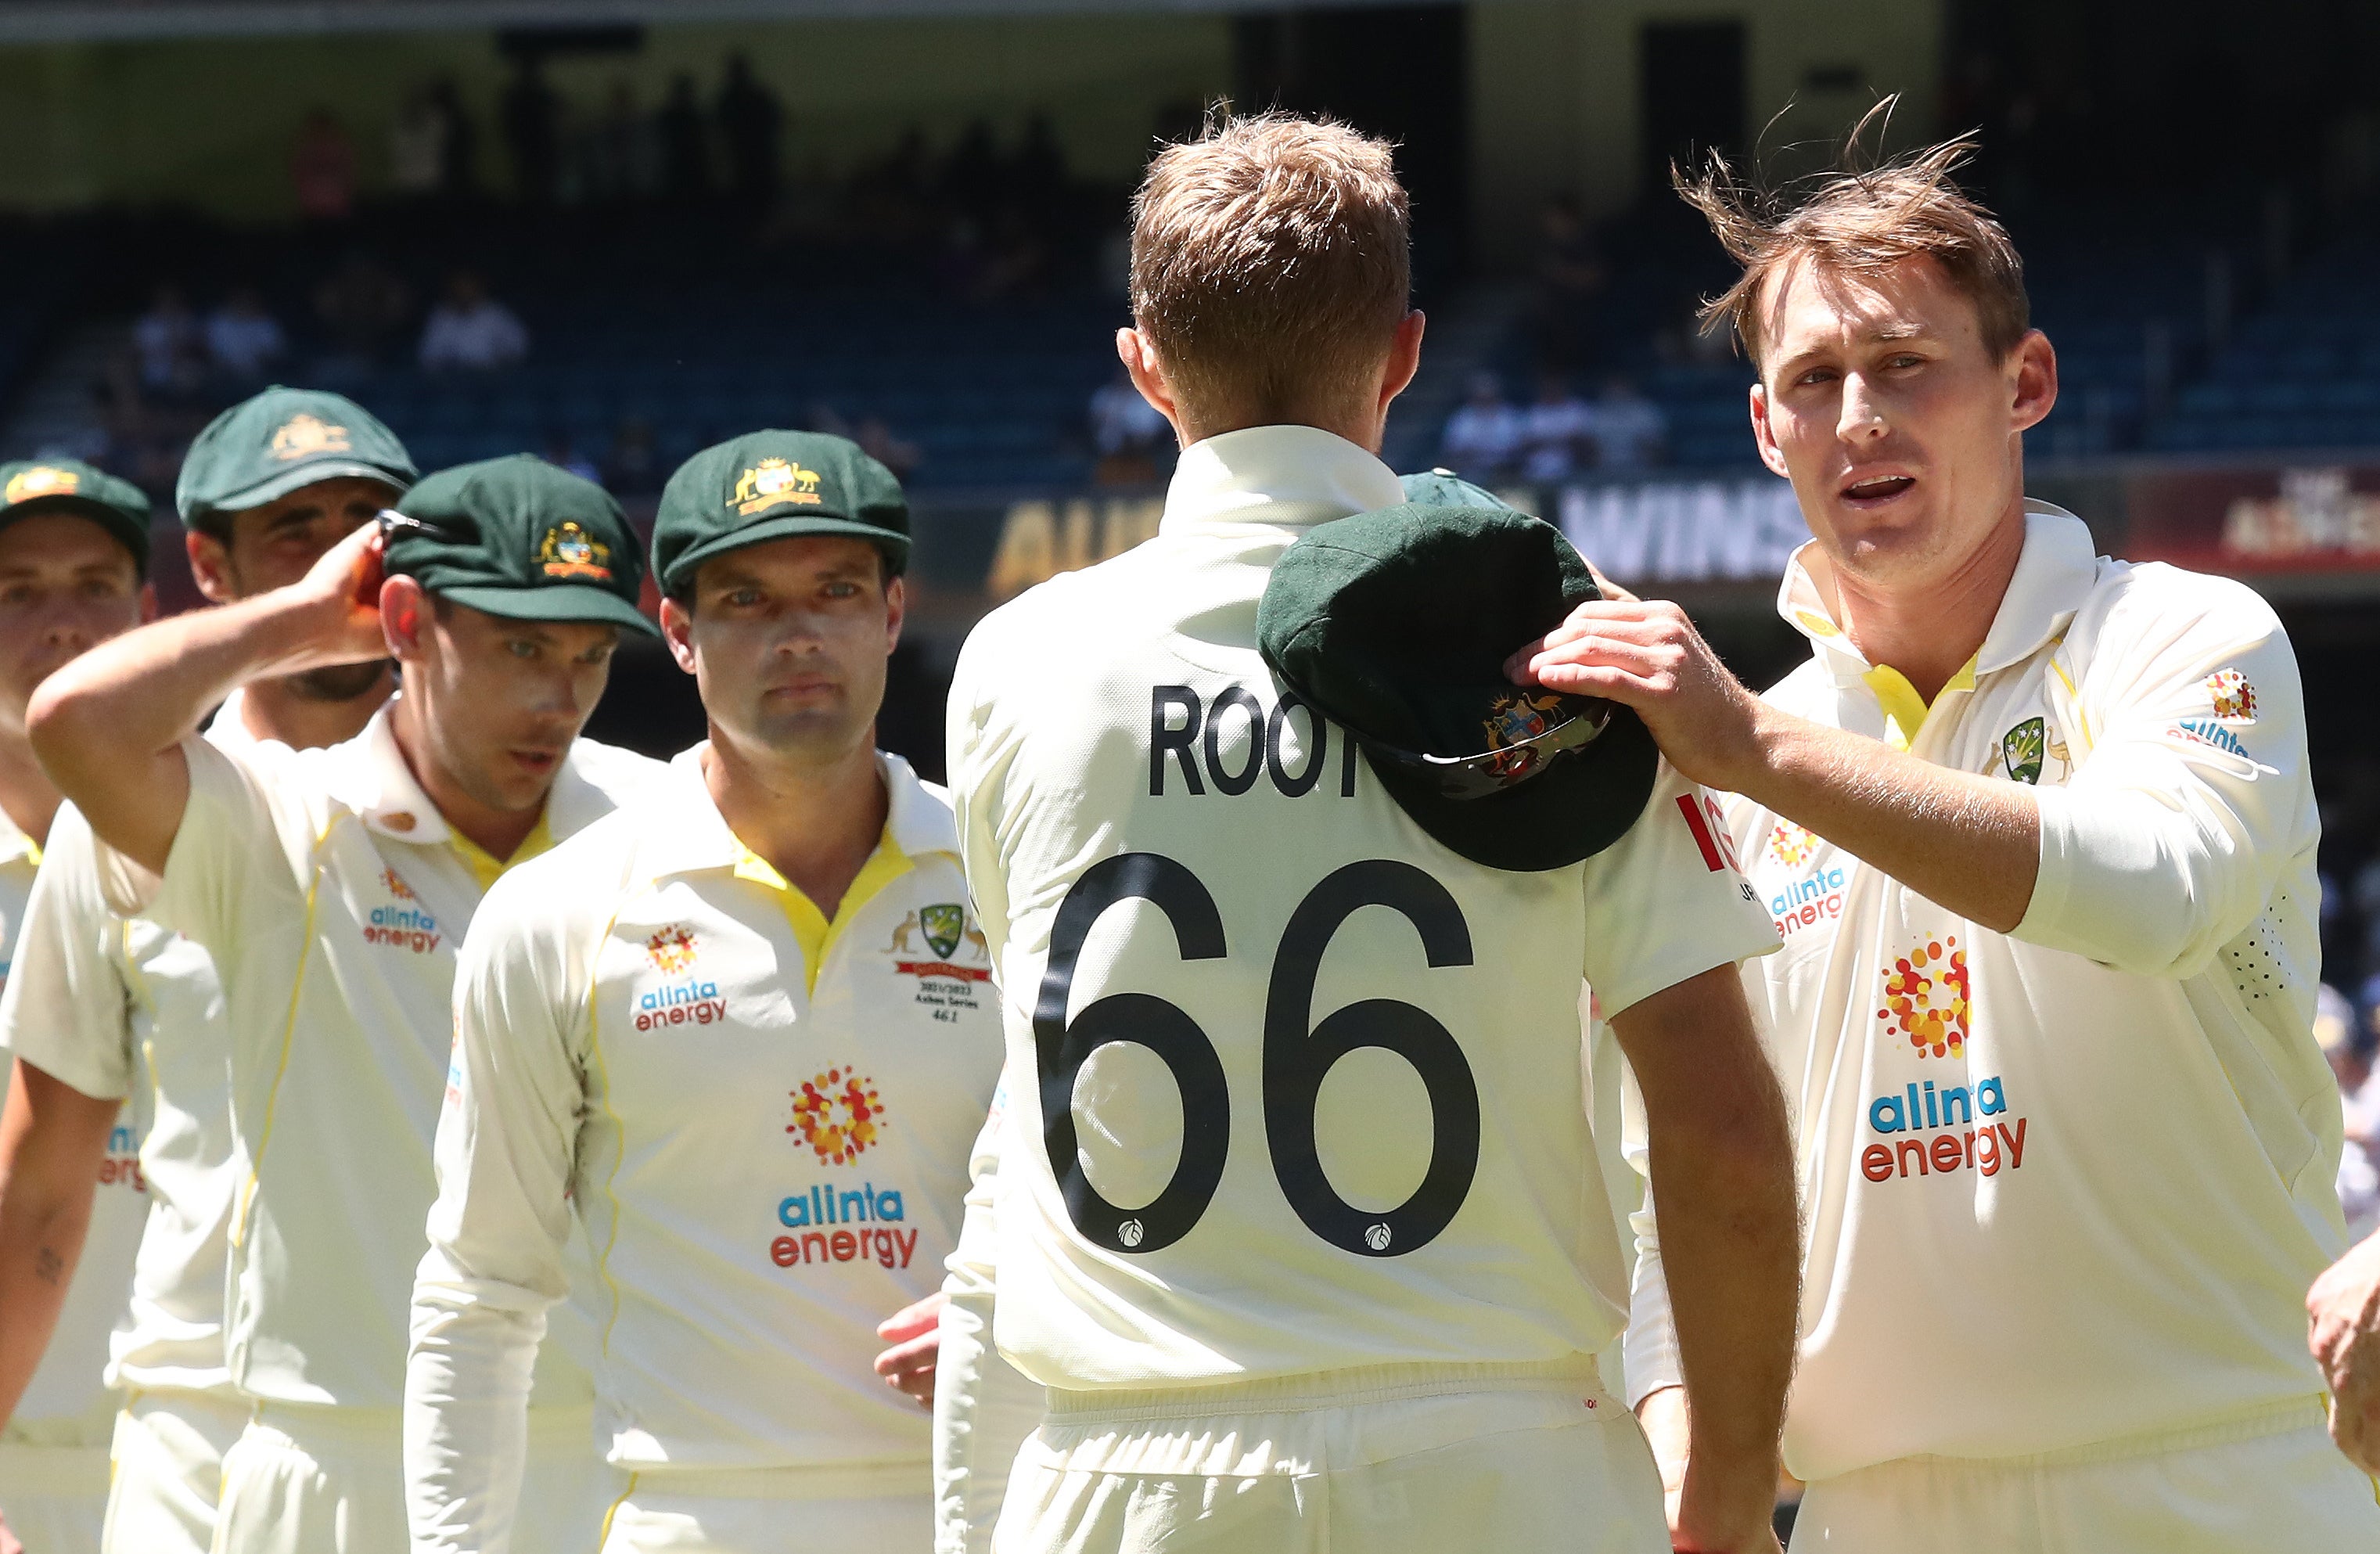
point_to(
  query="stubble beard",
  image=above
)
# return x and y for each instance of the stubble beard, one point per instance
(339, 682)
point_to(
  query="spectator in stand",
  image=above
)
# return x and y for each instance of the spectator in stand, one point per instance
(684, 146)
(1570, 274)
(361, 305)
(461, 174)
(620, 160)
(563, 452)
(470, 331)
(1127, 432)
(322, 169)
(417, 145)
(750, 121)
(244, 340)
(167, 341)
(1483, 436)
(532, 130)
(1553, 430)
(1629, 431)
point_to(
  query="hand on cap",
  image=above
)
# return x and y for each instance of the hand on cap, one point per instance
(2344, 1305)
(915, 1333)
(1647, 655)
(340, 597)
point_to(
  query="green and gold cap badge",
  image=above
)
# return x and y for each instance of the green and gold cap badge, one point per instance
(774, 485)
(1395, 625)
(519, 537)
(282, 440)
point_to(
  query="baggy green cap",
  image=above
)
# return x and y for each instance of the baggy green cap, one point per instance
(1396, 624)
(69, 485)
(774, 485)
(1444, 488)
(272, 444)
(519, 537)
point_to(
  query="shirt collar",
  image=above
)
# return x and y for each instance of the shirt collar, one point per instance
(1283, 476)
(2054, 573)
(691, 836)
(369, 774)
(15, 844)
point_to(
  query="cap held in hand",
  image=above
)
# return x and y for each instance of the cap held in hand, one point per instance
(521, 539)
(774, 485)
(1396, 626)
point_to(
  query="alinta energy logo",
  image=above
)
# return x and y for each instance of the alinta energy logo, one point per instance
(693, 1002)
(402, 924)
(1931, 1132)
(1790, 844)
(1925, 997)
(671, 949)
(838, 1115)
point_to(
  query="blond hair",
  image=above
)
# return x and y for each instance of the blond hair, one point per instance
(1855, 221)
(1269, 264)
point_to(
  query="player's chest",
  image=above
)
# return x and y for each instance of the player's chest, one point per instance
(2020, 724)
(704, 1006)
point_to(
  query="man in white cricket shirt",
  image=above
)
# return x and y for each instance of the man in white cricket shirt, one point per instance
(74, 551)
(329, 887)
(113, 1006)
(744, 1029)
(2038, 830)
(1298, 1211)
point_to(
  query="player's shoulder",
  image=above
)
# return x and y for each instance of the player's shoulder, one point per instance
(2137, 612)
(1806, 688)
(620, 774)
(570, 885)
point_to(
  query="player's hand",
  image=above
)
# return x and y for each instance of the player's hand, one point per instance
(339, 597)
(2345, 1336)
(916, 1334)
(1646, 654)
(1698, 1525)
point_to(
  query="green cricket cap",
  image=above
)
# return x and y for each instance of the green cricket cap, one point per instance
(1444, 488)
(69, 485)
(272, 444)
(1395, 625)
(519, 537)
(775, 485)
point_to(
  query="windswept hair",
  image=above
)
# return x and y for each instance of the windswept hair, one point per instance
(1855, 219)
(1271, 262)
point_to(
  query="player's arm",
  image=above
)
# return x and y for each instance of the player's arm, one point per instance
(51, 1140)
(983, 1406)
(1970, 844)
(1721, 1155)
(109, 726)
(506, 1149)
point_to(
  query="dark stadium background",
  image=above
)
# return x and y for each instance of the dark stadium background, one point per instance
(904, 218)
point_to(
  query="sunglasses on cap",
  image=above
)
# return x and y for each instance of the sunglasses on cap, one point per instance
(395, 525)
(1462, 778)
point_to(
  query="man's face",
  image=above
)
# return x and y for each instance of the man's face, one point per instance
(66, 585)
(1902, 437)
(500, 701)
(273, 545)
(789, 641)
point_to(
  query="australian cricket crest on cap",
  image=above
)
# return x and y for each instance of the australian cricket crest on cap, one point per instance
(303, 436)
(568, 550)
(772, 480)
(41, 480)
(1511, 722)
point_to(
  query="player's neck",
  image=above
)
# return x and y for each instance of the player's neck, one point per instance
(26, 793)
(276, 709)
(1929, 633)
(815, 821)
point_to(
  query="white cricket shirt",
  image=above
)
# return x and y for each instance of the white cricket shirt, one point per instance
(89, 993)
(2068, 1185)
(1309, 1090)
(331, 897)
(69, 1400)
(763, 1118)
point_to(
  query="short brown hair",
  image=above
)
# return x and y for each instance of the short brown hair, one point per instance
(1269, 263)
(1855, 221)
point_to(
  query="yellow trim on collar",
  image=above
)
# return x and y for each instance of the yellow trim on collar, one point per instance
(816, 935)
(1904, 711)
(485, 866)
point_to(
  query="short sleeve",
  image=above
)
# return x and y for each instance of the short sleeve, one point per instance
(67, 1010)
(1668, 900)
(229, 839)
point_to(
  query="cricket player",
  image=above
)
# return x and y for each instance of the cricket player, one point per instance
(329, 887)
(1298, 1213)
(2038, 830)
(744, 1029)
(74, 556)
(113, 1006)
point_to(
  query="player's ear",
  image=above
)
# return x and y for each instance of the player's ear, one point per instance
(677, 631)
(402, 607)
(210, 566)
(147, 602)
(1764, 436)
(896, 610)
(1148, 374)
